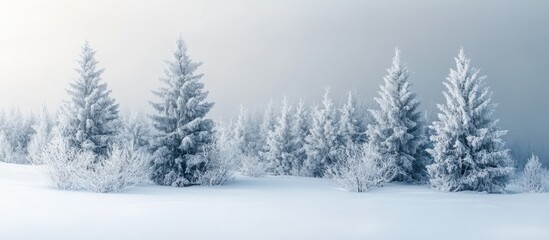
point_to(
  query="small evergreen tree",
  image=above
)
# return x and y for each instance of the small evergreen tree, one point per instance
(398, 131)
(136, 131)
(42, 136)
(279, 143)
(468, 151)
(246, 133)
(245, 136)
(350, 126)
(269, 121)
(299, 131)
(184, 132)
(267, 125)
(91, 121)
(6, 151)
(321, 144)
(534, 178)
(239, 132)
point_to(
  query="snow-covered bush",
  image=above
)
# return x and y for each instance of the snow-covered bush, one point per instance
(222, 161)
(243, 135)
(63, 166)
(356, 168)
(122, 168)
(534, 178)
(72, 169)
(252, 166)
(239, 140)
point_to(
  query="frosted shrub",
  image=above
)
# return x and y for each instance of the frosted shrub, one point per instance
(252, 166)
(69, 169)
(241, 141)
(221, 161)
(122, 168)
(534, 179)
(62, 165)
(356, 170)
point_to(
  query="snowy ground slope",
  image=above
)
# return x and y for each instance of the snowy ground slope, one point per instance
(264, 208)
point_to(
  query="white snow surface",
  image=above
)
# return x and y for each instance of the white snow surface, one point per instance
(262, 208)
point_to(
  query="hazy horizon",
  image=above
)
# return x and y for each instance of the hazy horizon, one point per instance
(256, 51)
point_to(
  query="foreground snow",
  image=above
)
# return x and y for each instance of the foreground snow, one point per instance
(263, 208)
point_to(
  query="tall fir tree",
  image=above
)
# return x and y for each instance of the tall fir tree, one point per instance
(398, 131)
(91, 115)
(184, 132)
(279, 143)
(468, 151)
(321, 145)
(350, 126)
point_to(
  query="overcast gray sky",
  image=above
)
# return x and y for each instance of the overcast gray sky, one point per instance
(257, 50)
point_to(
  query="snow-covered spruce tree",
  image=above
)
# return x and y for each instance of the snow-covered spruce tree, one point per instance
(91, 115)
(349, 126)
(279, 143)
(534, 179)
(468, 151)
(42, 136)
(299, 131)
(321, 144)
(398, 131)
(184, 131)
